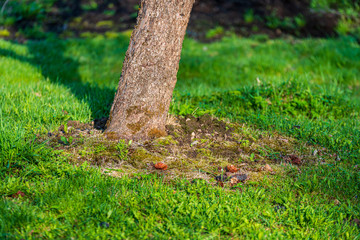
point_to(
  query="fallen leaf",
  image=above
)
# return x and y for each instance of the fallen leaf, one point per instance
(295, 159)
(18, 194)
(268, 168)
(231, 168)
(161, 166)
(234, 181)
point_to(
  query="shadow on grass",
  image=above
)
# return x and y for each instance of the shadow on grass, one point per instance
(49, 58)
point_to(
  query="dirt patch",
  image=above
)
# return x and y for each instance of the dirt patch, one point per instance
(273, 18)
(206, 136)
(208, 14)
(195, 148)
(199, 127)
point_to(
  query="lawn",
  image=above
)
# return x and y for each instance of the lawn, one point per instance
(304, 92)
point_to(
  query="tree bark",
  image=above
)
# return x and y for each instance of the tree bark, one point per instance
(149, 71)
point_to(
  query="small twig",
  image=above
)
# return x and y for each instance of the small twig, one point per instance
(3, 7)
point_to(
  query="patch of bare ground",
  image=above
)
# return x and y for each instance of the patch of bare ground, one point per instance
(204, 147)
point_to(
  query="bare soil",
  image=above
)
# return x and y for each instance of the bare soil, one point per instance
(72, 18)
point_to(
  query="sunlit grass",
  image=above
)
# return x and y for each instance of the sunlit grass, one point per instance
(273, 85)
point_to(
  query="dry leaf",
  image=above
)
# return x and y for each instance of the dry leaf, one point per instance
(268, 168)
(18, 194)
(161, 166)
(231, 168)
(234, 181)
(295, 159)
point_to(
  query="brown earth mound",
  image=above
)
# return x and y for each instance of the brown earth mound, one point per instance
(196, 147)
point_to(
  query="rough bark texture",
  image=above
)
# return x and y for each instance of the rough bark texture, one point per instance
(149, 72)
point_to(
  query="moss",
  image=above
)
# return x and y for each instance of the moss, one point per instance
(229, 145)
(165, 141)
(161, 108)
(145, 115)
(136, 127)
(176, 134)
(136, 110)
(132, 111)
(204, 152)
(202, 160)
(96, 150)
(140, 157)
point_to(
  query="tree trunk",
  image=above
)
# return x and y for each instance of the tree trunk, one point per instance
(149, 71)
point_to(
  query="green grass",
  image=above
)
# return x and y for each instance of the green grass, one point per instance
(147, 207)
(308, 89)
(328, 117)
(230, 64)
